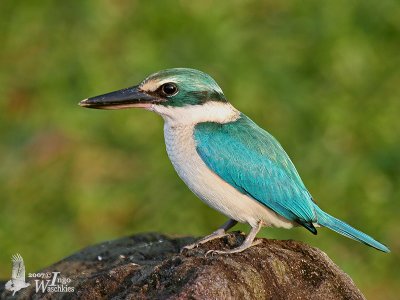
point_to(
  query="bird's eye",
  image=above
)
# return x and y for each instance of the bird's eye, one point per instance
(169, 89)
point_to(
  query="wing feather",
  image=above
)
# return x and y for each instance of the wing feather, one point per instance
(253, 161)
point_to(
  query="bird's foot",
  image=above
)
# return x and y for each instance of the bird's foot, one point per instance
(190, 247)
(220, 232)
(215, 235)
(241, 248)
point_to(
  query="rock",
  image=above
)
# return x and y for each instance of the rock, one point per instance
(150, 266)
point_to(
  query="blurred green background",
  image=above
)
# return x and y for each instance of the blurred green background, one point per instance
(322, 77)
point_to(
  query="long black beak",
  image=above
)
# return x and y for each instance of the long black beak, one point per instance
(125, 98)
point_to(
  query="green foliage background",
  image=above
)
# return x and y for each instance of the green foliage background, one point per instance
(322, 76)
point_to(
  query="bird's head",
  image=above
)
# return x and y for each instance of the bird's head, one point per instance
(179, 94)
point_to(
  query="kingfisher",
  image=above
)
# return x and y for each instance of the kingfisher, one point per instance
(226, 159)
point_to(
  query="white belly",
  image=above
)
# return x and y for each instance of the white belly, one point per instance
(209, 187)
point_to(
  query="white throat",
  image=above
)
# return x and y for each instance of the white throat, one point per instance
(213, 111)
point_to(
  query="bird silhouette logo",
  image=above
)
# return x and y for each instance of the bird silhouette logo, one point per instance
(17, 281)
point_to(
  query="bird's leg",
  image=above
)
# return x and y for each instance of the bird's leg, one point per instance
(220, 232)
(248, 242)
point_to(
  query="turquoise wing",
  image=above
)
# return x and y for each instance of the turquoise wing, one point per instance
(253, 161)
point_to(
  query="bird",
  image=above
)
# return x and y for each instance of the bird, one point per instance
(17, 281)
(225, 158)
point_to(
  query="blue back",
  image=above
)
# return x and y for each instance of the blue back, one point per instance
(253, 161)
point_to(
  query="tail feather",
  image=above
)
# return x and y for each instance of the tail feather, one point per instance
(341, 227)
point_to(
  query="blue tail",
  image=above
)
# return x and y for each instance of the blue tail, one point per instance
(341, 227)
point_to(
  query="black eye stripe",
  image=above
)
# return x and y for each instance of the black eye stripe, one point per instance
(169, 89)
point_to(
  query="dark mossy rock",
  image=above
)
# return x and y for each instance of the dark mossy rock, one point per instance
(150, 266)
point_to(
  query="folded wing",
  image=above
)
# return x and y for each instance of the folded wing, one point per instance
(253, 161)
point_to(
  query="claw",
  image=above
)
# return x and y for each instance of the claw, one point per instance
(220, 232)
(211, 252)
(248, 242)
(234, 250)
(256, 242)
(189, 247)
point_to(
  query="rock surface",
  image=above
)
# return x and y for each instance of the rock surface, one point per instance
(150, 266)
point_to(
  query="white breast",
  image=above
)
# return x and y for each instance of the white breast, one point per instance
(208, 186)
